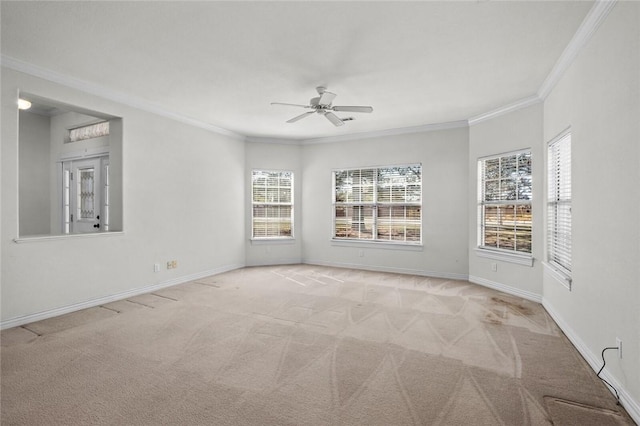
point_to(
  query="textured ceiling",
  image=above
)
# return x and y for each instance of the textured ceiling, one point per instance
(222, 63)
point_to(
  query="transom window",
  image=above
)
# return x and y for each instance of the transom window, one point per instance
(378, 204)
(89, 131)
(272, 204)
(504, 202)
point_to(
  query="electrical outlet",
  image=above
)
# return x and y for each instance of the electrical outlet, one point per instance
(169, 264)
(619, 345)
(156, 267)
(174, 264)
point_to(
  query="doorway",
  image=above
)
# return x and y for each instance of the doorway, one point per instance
(85, 195)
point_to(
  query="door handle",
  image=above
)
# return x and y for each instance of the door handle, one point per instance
(97, 225)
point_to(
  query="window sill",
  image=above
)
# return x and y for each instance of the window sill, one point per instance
(385, 245)
(41, 238)
(557, 274)
(275, 240)
(519, 259)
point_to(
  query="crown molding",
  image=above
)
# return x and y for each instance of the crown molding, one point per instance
(276, 141)
(106, 93)
(505, 109)
(389, 132)
(588, 27)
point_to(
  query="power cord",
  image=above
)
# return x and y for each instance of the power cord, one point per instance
(604, 362)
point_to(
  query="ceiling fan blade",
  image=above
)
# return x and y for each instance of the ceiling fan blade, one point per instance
(296, 105)
(300, 117)
(326, 98)
(333, 118)
(353, 108)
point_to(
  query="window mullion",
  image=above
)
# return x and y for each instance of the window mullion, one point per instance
(375, 204)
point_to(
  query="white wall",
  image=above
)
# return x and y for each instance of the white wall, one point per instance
(444, 158)
(186, 197)
(599, 98)
(274, 156)
(184, 200)
(34, 157)
(510, 132)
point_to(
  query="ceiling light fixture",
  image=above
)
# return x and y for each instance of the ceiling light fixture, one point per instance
(24, 104)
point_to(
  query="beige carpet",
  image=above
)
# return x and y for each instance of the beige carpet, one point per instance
(302, 345)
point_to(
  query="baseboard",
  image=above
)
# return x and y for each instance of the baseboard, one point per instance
(632, 406)
(273, 262)
(420, 272)
(534, 297)
(26, 319)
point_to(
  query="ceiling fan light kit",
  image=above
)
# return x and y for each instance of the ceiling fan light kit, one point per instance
(322, 104)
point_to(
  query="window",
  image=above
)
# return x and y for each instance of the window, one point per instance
(504, 202)
(272, 204)
(378, 204)
(88, 132)
(559, 203)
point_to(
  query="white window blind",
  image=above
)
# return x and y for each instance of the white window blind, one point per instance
(378, 204)
(504, 202)
(559, 203)
(272, 204)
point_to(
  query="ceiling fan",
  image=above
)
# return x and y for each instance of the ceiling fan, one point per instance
(322, 105)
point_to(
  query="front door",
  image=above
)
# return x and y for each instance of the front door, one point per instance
(82, 199)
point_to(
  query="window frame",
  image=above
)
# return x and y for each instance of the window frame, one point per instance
(266, 204)
(512, 255)
(559, 183)
(83, 132)
(375, 204)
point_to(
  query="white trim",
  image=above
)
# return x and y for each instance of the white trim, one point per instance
(26, 319)
(388, 132)
(519, 259)
(276, 141)
(277, 261)
(272, 240)
(559, 136)
(588, 27)
(505, 154)
(377, 166)
(419, 272)
(534, 297)
(377, 244)
(112, 95)
(557, 275)
(632, 406)
(99, 151)
(505, 109)
(42, 238)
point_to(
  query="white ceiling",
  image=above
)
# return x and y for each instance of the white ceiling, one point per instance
(222, 63)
